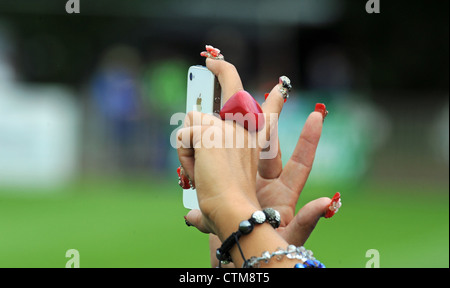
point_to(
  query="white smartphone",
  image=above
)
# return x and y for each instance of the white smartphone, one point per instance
(203, 95)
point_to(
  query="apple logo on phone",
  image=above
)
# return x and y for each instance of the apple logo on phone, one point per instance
(199, 103)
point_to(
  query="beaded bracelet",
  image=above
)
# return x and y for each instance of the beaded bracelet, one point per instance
(245, 227)
(292, 252)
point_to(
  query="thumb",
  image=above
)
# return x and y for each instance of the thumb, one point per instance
(195, 218)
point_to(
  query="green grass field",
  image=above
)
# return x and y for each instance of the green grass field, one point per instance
(123, 223)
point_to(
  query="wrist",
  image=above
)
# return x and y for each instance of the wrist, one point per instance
(231, 211)
(246, 227)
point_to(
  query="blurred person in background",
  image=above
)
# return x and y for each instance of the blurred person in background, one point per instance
(116, 96)
(163, 83)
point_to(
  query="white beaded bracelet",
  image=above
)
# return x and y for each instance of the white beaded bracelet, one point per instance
(292, 252)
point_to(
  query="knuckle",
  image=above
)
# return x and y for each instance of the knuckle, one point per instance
(231, 67)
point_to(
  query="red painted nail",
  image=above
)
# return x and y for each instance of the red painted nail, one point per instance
(242, 102)
(184, 182)
(213, 51)
(334, 206)
(320, 107)
(204, 54)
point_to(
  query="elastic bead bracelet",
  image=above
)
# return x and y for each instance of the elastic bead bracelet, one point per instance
(310, 264)
(292, 252)
(246, 227)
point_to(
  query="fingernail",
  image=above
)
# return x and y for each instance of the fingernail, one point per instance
(266, 95)
(212, 53)
(187, 222)
(183, 180)
(285, 87)
(334, 206)
(320, 107)
(285, 82)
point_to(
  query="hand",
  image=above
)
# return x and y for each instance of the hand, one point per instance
(225, 179)
(231, 83)
(280, 188)
(241, 165)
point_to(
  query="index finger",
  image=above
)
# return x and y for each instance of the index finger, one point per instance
(227, 75)
(297, 169)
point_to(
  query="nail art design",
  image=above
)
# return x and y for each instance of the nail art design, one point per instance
(320, 107)
(285, 87)
(334, 206)
(183, 180)
(212, 53)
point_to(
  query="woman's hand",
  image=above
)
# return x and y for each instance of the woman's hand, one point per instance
(280, 188)
(228, 186)
(225, 178)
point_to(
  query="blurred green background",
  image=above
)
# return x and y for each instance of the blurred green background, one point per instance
(86, 101)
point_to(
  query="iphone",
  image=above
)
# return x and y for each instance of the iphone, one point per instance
(203, 95)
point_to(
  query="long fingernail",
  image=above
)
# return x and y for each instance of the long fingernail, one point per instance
(187, 222)
(320, 107)
(334, 206)
(285, 87)
(183, 180)
(212, 53)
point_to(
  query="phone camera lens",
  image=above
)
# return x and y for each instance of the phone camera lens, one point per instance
(191, 76)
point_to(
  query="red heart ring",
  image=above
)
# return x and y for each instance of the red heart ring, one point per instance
(244, 110)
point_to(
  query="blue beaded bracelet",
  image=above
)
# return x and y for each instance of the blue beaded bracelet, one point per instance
(310, 264)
